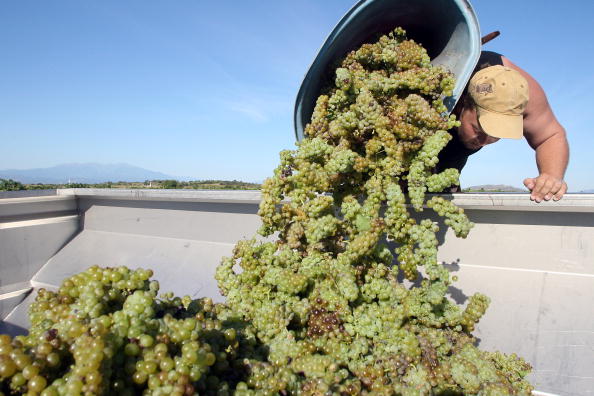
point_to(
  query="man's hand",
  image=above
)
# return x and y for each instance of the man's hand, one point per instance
(545, 187)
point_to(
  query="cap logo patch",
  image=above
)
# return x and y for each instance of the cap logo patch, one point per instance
(484, 88)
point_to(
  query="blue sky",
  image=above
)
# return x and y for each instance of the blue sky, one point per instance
(206, 89)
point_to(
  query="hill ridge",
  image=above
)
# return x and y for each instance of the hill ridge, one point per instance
(83, 172)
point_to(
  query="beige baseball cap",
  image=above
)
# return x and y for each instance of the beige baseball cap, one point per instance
(500, 94)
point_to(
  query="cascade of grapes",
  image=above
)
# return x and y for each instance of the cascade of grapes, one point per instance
(325, 292)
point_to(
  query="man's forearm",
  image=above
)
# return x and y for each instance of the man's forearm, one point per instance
(552, 156)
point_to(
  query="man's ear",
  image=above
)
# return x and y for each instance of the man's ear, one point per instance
(458, 108)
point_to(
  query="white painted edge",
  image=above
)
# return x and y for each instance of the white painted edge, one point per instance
(38, 222)
(494, 267)
(15, 290)
(44, 198)
(179, 194)
(87, 231)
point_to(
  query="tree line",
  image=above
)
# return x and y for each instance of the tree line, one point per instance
(13, 185)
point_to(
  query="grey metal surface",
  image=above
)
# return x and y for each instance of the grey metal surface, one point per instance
(32, 230)
(544, 317)
(11, 296)
(535, 241)
(26, 246)
(19, 209)
(17, 320)
(184, 266)
(448, 29)
(213, 222)
(26, 193)
(535, 261)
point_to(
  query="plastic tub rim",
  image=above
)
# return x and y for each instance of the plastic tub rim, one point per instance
(465, 8)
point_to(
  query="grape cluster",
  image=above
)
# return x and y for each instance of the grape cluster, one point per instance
(318, 307)
(455, 217)
(105, 331)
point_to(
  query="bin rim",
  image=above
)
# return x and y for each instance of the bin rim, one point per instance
(466, 10)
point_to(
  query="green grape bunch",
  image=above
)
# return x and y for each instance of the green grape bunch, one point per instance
(105, 332)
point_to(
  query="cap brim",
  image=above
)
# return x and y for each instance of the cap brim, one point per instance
(501, 125)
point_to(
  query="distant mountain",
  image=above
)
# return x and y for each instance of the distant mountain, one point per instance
(494, 188)
(83, 173)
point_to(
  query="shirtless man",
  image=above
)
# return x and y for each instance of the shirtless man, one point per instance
(503, 101)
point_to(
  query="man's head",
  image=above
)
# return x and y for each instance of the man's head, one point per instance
(493, 107)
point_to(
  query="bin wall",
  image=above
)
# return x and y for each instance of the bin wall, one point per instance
(535, 262)
(32, 230)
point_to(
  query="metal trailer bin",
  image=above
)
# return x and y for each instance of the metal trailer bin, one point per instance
(535, 261)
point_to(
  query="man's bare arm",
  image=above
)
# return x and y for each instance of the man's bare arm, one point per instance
(548, 139)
